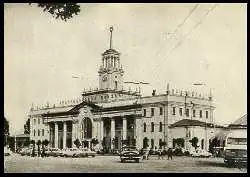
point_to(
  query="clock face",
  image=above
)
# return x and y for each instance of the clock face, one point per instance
(104, 78)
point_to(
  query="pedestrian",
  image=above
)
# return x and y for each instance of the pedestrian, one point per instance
(170, 153)
(160, 154)
(39, 151)
(147, 152)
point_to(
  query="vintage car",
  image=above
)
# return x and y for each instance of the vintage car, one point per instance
(25, 151)
(7, 151)
(86, 153)
(201, 153)
(55, 152)
(71, 152)
(130, 153)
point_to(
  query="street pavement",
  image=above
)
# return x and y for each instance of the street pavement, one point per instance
(112, 164)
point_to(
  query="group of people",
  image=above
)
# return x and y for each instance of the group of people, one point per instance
(160, 152)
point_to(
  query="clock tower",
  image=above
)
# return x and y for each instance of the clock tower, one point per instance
(110, 72)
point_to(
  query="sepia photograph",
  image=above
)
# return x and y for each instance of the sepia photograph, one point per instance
(125, 88)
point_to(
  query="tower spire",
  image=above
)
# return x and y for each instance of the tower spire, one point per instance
(111, 29)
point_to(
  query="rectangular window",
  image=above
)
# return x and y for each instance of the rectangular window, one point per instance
(34, 132)
(187, 112)
(34, 121)
(38, 120)
(42, 132)
(161, 111)
(152, 143)
(160, 127)
(180, 111)
(193, 113)
(38, 133)
(144, 112)
(145, 127)
(173, 110)
(206, 114)
(152, 127)
(200, 113)
(152, 111)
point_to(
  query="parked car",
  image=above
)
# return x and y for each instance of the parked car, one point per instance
(25, 151)
(86, 153)
(70, 152)
(130, 153)
(7, 151)
(201, 153)
(55, 152)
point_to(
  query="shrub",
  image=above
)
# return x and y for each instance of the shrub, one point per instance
(194, 142)
(178, 152)
(77, 143)
(186, 153)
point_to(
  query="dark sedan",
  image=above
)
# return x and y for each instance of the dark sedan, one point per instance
(130, 153)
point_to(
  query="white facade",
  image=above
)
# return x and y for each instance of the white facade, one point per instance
(111, 114)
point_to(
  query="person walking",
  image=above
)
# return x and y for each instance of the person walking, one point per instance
(170, 153)
(160, 155)
(147, 152)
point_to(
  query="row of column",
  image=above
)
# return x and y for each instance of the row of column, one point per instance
(64, 134)
(112, 130)
(113, 62)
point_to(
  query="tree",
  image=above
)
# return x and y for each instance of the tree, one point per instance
(63, 10)
(38, 144)
(163, 143)
(33, 149)
(85, 143)
(214, 143)
(45, 142)
(180, 142)
(6, 131)
(26, 142)
(194, 142)
(77, 143)
(32, 142)
(94, 141)
(27, 127)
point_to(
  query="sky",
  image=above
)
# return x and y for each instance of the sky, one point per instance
(42, 54)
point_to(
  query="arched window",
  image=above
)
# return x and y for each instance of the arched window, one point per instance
(86, 128)
(144, 127)
(160, 127)
(152, 126)
(116, 84)
(145, 142)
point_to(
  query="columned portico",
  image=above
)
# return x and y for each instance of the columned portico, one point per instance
(56, 135)
(124, 128)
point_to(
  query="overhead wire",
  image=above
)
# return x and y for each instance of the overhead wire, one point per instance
(197, 24)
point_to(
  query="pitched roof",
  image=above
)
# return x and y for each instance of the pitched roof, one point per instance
(72, 111)
(241, 122)
(189, 122)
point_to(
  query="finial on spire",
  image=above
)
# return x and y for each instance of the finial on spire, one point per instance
(111, 29)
